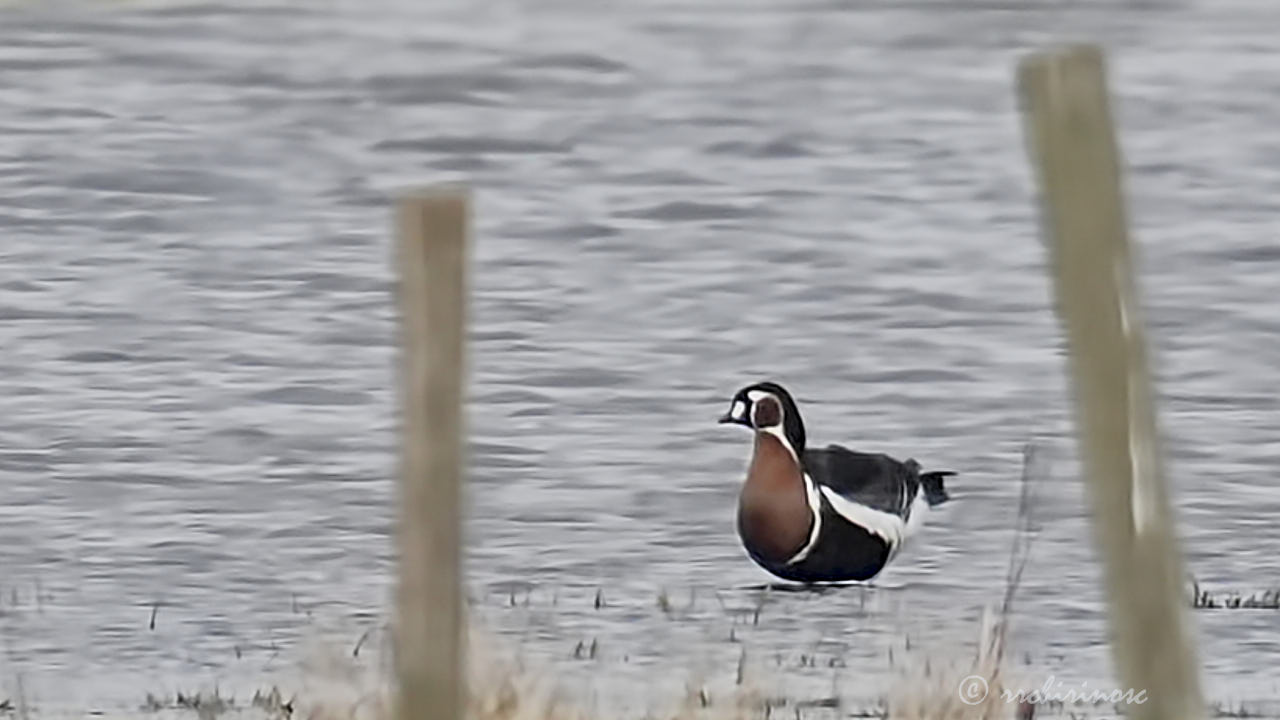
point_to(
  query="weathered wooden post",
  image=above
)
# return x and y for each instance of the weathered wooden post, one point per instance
(1073, 149)
(432, 258)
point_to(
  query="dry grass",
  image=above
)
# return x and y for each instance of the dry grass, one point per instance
(1202, 599)
(355, 683)
(972, 689)
(505, 686)
(955, 687)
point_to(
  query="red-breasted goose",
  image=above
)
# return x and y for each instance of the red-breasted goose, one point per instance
(822, 515)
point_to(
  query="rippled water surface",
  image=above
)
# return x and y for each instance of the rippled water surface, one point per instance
(672, 199)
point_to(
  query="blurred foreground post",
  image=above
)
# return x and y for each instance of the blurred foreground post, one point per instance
(431, 257)
(1074, 153)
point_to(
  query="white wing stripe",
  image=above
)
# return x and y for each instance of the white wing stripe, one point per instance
(877, 522)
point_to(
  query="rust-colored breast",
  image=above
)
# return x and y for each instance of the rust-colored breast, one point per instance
(773, 511)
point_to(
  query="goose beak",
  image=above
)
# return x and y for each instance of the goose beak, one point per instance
(725, 418)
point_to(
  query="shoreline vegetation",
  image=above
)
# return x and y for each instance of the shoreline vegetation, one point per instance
(354, 680)
(924, 681)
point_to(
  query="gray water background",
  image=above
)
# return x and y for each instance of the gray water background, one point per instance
(672, 199)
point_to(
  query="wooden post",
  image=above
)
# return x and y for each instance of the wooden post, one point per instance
(432, 257)
(1073, 149)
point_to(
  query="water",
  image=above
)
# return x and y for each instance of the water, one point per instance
(673, 199)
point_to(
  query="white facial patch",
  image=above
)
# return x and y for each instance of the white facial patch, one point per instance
(738, 411)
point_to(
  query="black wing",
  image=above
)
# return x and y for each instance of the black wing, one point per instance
(872, 479)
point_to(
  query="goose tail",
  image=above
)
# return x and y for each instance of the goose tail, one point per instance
(935, 493)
